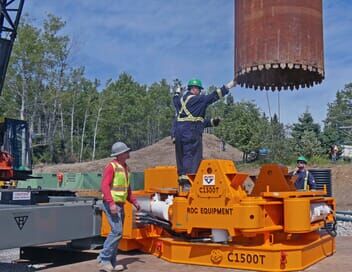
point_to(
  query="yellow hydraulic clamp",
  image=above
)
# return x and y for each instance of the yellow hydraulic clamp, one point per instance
(217, 223)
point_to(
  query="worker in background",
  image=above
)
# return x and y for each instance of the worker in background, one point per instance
(304, 178)
(190, 125)
(60, 178)
(334, 153)
(116, 189)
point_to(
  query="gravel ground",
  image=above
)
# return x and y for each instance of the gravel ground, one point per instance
(8, 255)
(6, 261)
(9, 262)
(344, 228)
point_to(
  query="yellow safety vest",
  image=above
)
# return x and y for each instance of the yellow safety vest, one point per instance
(189, 117)
(120, 184)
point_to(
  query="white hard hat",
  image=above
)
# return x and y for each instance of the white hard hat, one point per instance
(119, 148)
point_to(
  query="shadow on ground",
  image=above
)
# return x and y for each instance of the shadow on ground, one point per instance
(40, 258)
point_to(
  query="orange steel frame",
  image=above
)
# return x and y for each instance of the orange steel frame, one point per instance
(6, 171)
(268, 230)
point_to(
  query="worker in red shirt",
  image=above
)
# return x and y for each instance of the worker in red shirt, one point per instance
(116, 189)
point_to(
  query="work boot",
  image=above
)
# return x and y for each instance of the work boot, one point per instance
(118, 267)
(105, 267)
(184, 183)
(186, 187)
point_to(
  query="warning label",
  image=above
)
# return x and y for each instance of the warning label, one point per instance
(21, 196)
(21, 220)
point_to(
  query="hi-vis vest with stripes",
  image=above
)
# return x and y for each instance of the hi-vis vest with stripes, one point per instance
(189, 117)
(119, 188)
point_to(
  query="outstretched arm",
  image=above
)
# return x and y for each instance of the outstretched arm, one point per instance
(217, 94)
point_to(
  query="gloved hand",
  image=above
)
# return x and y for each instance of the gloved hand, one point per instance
(178, 90)
(230, 84)
(215, 121)
(114, 208)
(137, 206)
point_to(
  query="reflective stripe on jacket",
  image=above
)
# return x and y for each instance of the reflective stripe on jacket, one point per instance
(305, 184)
(120, 184)
(306, 181)
(189, 117)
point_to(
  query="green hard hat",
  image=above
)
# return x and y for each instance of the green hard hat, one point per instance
(302, 158)
(195, 82)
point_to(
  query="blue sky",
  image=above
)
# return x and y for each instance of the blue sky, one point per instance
(182, 39)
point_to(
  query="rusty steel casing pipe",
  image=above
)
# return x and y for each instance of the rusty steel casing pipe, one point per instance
(278, 44)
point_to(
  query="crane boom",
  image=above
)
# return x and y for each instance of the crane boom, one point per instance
(10, 13)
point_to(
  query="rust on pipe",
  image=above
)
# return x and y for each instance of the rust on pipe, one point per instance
(278, 43)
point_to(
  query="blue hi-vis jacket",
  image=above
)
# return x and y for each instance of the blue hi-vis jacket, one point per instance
(192, 108)
(304, 178)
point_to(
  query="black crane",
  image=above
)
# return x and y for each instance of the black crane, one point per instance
(10, 13)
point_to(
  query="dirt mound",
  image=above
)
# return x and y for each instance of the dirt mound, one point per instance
(342, 185)
(160, 153)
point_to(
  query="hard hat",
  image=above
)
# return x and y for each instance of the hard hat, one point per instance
(119, 148)
(302, 158)
(195, 82)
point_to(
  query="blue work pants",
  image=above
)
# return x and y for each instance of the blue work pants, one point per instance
(188, 147)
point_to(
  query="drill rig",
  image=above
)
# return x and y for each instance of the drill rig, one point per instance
(217, 223)
(278, 46)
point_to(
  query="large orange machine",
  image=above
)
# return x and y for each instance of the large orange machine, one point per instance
(217, 223)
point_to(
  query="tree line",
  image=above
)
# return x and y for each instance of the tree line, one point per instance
(73, 118)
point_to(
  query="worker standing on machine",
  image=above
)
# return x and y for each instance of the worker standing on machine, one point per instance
(304, 178)
(190, 125)
(116, 189)
(178, 94)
